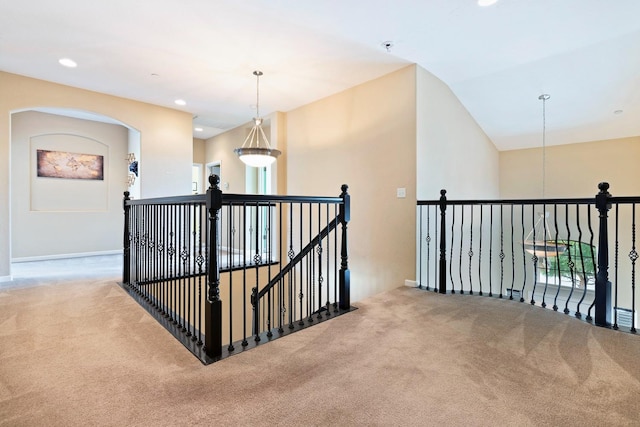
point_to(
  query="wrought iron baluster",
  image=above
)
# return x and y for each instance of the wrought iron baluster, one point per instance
(633, 256)
(281, 248)
(615, 267)
(502, 255)
(470, 250)
(428, 240)
(420, 247)
(524, 259)
(585, 275)
(490, 249)
(534, 257)
(555, 222)
(301, 271)
(244, 275)
(570, 261)
(319, 250)
(435, 258)
(291, 275)
(328, 273)
(335, 261)
(453, 222)
(593, 260)
(172, 263)
(480, 250)
(513, 257)
(546, 257)
(256, 263)
(461, 248)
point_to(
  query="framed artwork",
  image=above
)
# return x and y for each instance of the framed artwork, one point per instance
(62, 164)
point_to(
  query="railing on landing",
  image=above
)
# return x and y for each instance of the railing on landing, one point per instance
(224, 272)
(548, 252)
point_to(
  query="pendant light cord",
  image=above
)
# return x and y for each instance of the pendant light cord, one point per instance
(257, 74)
(544, 98)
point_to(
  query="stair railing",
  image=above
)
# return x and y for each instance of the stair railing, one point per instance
(210, 267)
(541, 251)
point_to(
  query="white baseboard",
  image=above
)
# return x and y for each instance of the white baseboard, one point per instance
(5, 279)
(411, 283)
(65, 256)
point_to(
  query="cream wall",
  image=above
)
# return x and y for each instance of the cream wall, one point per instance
(220, 148)
(453, 152)
(572, 170)
(199, 155)
(363, 137)
(53, 216)
(166, 146)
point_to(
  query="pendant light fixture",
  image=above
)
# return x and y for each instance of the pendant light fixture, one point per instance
(545, 247)
(255, 150)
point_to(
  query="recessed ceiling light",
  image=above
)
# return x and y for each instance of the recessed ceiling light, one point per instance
(485, 3)
(180, 102)
(198, 129)
(618, 112)
(68, 62)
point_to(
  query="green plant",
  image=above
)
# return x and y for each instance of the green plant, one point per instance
(577, 262)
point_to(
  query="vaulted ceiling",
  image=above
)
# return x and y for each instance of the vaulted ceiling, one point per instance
(496, 59)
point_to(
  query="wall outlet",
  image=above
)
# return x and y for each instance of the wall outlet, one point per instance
(401, 193)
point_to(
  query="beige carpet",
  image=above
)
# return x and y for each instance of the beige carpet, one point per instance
(83, 353)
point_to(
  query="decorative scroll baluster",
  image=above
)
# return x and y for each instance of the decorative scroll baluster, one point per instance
(585, 275)
(570, 262)
(555, 222)
(589, 318)
(534, 257)
(291, 276)
(546, 258)
(442, 271)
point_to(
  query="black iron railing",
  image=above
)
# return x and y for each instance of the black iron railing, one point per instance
(223, 272)
(549, 252)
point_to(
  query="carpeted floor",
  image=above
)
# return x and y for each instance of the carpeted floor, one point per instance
(80, 352)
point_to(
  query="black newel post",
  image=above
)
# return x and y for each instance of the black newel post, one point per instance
(126, 242)
(603, 286)
(345, 275)
(443, 245)
(213, 305)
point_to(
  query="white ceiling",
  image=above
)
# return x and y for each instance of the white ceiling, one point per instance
(497, 60)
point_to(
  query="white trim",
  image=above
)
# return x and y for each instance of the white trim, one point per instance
(411, 283)
(5, 279)
(64, 256)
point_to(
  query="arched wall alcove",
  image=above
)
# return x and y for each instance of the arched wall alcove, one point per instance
(69, 170)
